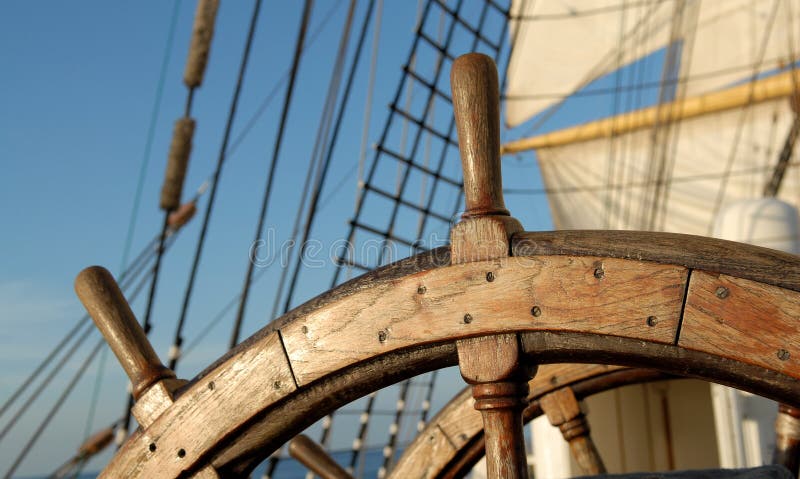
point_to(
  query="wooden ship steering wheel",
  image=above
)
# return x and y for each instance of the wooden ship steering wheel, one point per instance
(497, 302)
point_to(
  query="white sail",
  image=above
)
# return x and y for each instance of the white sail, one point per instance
(721, 42)
(562, 46)
(673, 182)
(738, 39)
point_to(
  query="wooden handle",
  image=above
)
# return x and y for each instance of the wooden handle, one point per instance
(311, 455)
(473, 80)
(564, 412)
(108, 308)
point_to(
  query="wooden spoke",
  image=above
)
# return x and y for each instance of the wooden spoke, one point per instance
(460, 427)
(493, 365)
(787, 438)
(564, 412)
(314, 457)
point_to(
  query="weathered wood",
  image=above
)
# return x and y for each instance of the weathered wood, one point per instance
(787, 438)
(473, 81)
(460, 464)
(550, 377)
(314, 457)
(564, 412)
(482, 238)
(420, 456)
(109, 310)
(155, 400)
(302, 409)
(549, 347)
(494, 366)
(214, 407)
(421, 328)
(269, 430)
(593, 295)
(381, 277)
(743, 319)
(745, 261)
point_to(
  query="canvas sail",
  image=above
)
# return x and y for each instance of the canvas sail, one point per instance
(671, 167)
(721, 43)
(610, 183)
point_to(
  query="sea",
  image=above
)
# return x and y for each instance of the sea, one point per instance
(289, 468)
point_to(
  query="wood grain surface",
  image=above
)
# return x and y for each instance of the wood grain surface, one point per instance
(739, 318)
(567, 291)
(213, 408)
(589, 309)
(745, 261)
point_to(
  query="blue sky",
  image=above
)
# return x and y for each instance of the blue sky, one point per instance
(77, 92)
(78, 83)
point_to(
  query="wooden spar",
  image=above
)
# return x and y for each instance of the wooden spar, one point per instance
(493, 365)
(314, 457)
(778, 86)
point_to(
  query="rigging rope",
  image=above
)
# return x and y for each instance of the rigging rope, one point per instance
(549, 112)
(393, 216)
(126, 279)
(34, 396)
(46, 382)
(362, 151)
(318, 152)
(179, 152)
(50, 414)
(151, 130)
(215, 320)
(740, 124)
(320, 180)
(325, 153)
(773, 186)
(313, 207)
(668, 170)
(178, 338)
(298, 51)
(612, 153)
(132, 270)
(437, 179)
